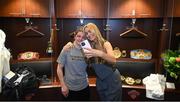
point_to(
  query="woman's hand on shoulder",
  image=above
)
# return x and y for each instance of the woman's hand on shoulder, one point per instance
(68, 46)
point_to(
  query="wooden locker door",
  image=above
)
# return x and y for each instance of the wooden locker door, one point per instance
(122, 8)
(149, 8)
(37, 8)
(11, 8)
(94, 8)
(176, 9)
(68, 8)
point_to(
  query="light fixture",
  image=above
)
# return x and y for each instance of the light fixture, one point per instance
(27, 20)
(108, 27)
(81, 21)
(81, 16)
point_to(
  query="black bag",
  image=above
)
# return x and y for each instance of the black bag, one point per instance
(16, 89)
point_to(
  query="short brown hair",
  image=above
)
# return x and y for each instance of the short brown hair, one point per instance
(79, 29)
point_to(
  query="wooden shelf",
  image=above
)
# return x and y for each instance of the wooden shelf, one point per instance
(92, 83)
(136, 60)
(31, 60)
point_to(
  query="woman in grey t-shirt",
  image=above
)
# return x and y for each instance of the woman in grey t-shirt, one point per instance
(74, 81)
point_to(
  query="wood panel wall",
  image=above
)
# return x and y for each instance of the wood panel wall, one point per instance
(29, 41)
(175, 40)
(67, 26)
(151, 26)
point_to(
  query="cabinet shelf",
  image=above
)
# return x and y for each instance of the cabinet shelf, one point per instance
(41, 67)
(40, 59)
(92, 83)
(25, 8)
(135, 68)
(136, 60)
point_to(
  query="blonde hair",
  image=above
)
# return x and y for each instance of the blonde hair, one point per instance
(93, 28)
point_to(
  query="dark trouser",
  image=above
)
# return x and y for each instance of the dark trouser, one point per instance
(2, 97)
(110, 88)
(82, 95)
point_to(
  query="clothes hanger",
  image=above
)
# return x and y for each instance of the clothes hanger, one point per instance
(133, 28)
(28, 28)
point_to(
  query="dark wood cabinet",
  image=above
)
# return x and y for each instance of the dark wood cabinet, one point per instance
(37, 8)
(11, 8)
(81, 8)
(136, 8)
(121, 8)
(68, 8)
(94, 8)
(138, 93)
(41, 67)
(149, 8)
(135, 67)
(84, 8)
(176, 8)
(24, 8)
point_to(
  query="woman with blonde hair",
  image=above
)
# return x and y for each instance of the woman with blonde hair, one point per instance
(101, 59)
(104, 47)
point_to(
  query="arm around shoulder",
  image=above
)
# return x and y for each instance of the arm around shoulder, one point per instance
(67, 46)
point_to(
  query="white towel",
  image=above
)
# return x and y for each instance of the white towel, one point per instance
(155, 86)
(4, 57)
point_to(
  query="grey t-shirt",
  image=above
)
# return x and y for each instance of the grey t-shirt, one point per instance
(75, 69)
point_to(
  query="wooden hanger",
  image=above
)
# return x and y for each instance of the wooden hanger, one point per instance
(133, 28)
(28, 28)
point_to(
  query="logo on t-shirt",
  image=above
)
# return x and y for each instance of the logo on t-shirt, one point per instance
(78, 58)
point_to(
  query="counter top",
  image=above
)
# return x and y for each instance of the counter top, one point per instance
(92, 83)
